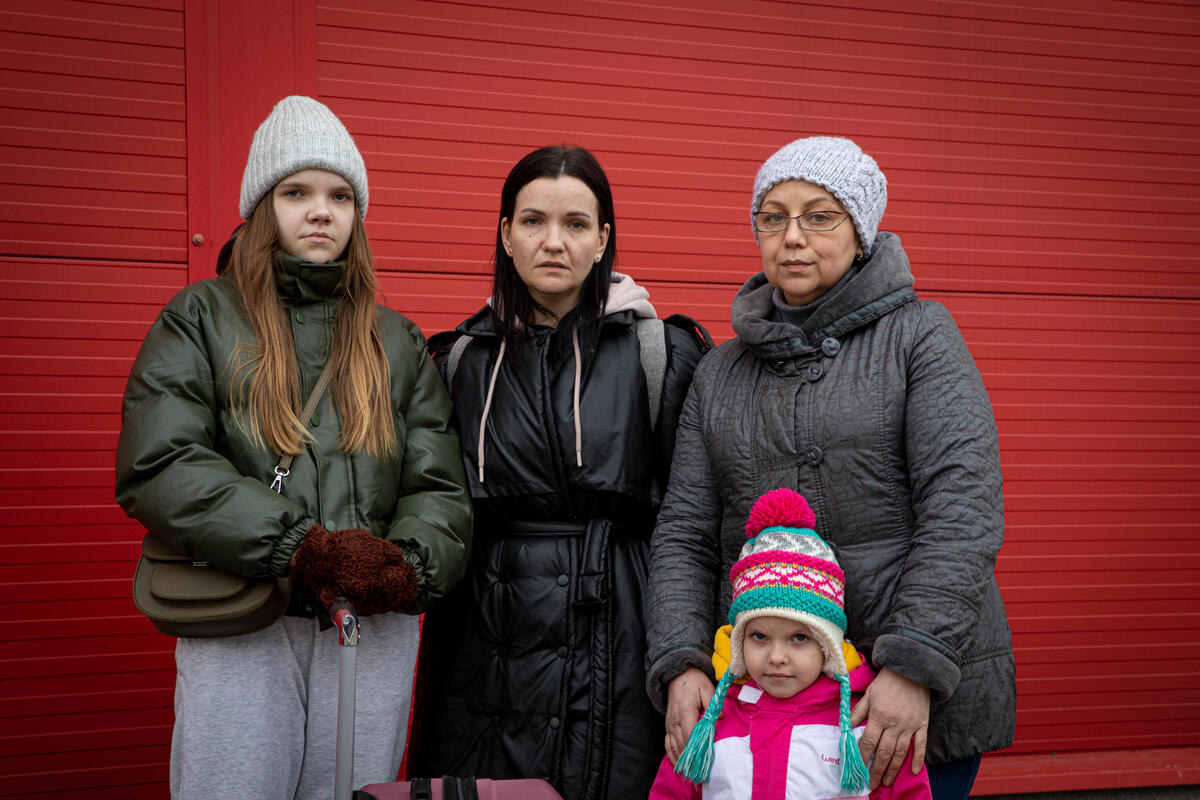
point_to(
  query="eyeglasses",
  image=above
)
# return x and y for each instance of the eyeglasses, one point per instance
(773, 222)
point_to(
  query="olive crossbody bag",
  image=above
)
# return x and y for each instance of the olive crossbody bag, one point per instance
(184, 597)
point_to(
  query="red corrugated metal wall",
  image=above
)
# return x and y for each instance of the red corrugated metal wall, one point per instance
(1043, 169)
(92, 242)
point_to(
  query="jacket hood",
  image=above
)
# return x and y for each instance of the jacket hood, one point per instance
(884, 282)
(624, 294)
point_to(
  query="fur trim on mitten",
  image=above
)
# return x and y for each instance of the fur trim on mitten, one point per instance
(370, 572)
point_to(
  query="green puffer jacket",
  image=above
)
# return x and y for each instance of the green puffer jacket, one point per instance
(192, 477)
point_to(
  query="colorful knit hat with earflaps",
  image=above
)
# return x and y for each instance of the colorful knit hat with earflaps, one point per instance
(785, 570)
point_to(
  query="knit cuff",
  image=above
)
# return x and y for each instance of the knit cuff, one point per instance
(286, 546)
(918, 662)
(671, 665)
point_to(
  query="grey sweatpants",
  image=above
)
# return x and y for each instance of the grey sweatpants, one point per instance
(256, 715)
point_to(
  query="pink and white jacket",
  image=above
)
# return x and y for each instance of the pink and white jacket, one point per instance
(772, 749)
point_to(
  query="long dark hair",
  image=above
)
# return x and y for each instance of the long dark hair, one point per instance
(514, 306)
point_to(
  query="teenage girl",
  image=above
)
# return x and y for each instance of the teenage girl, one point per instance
(373, 507)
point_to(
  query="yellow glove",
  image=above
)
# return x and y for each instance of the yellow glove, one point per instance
(723, 653)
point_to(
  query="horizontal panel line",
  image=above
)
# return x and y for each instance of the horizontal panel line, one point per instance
(861, 104)
(993, 43)
(124, 81)
(944, 67)
(415, 56)
(858, 43)
(783, 130)
(753, 22)
(81, 260)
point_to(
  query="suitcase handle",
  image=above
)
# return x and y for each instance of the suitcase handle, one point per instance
(346, 620)
(421, 789)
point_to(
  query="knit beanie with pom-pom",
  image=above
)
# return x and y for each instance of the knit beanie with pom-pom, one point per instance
(785, 570)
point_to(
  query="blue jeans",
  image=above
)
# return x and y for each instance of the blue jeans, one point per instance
(952, 780)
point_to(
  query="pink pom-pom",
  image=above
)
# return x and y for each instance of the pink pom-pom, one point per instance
(780, 507)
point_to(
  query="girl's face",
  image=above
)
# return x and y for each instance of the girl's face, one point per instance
(804, 265)
(315, 211)
(781, 655)
(554, 238)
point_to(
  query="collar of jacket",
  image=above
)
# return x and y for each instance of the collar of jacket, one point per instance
(883, 284)
(482, 324)
(821, 693)
(627, 301)
(305, 282)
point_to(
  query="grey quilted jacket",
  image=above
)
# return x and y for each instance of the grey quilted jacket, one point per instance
(875, 411)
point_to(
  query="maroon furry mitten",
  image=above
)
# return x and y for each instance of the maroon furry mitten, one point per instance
(368, 571)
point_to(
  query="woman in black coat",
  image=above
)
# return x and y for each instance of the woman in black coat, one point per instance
(566, 392)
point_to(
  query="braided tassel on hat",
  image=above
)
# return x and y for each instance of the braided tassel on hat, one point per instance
(854, 770)
(695, 762)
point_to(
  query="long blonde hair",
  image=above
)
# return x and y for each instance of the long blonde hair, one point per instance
(264, 379)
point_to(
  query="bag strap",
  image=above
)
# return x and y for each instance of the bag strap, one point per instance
(652, 349)
(455, 356)
(284, 467)
(652, 345)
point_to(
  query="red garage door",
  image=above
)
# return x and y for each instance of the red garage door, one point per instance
(1044, 175)
(92, 242)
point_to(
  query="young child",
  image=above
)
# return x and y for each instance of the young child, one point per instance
(784, 731)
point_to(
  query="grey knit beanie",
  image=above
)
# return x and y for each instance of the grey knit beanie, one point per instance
(300, 133)
(841, 167)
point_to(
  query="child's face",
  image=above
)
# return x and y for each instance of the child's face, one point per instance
(781, 655)
(315, 211)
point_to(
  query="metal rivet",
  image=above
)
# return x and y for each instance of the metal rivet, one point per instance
(198, 239)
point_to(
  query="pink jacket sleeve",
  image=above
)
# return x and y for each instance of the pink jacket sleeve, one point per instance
(670, 786)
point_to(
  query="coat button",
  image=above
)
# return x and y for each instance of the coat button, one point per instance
(562, 652)
(316, 420)
(563, 580)
(815, 371)
(830, 347)
(329, 526)
(779, 364)
(299, 318)
(308, 609)
(815, 456)
(554, 722)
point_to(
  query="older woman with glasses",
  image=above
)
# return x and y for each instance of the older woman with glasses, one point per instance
(847, 387)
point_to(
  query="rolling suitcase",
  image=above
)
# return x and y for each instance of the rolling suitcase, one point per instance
(459, 789)
(345, 619)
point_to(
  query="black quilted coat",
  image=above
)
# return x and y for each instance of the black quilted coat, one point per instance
(874, 411)
(535, 665)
